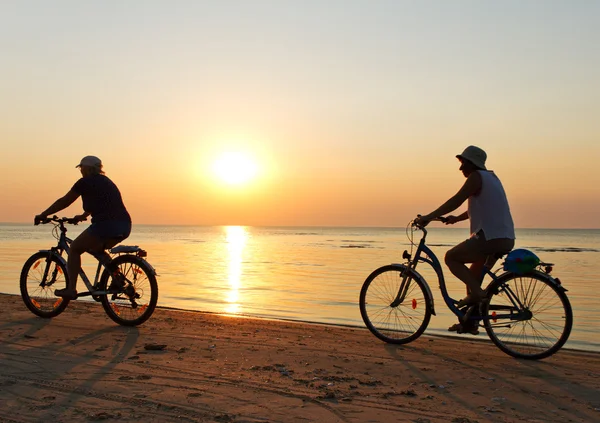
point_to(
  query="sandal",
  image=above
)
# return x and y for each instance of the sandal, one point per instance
(459, 328)
(455, 327)
(470, 331)
(66, 293)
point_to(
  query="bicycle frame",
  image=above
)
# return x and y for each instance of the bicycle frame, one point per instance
(433, 261)
(64, 246)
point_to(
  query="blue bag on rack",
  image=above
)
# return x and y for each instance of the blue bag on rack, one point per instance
(521, 261)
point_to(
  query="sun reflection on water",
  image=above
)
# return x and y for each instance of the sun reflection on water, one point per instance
(236, 237)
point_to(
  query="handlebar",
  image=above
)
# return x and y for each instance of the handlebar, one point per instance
(59, 220)
(437, 219)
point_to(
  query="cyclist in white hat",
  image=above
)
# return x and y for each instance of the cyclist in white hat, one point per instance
(492, 228)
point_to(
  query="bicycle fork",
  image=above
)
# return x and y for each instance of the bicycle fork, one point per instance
(400, 297)
(48, 263)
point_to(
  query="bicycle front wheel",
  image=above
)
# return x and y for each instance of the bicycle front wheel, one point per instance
(136, 300)
(43, 273)
(395, 304)
(528, 316)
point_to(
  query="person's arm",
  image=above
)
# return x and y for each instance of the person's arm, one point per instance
(450, 220)
(472, 186)
(60, 204)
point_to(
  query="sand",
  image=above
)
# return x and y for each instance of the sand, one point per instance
(202, 367)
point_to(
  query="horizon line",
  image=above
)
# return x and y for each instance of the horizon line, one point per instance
(313, 226)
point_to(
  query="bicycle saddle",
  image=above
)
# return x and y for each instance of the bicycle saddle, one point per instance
(125, 249)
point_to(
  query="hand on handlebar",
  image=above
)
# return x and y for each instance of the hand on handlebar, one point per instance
(40, 218)
(78, 218)
(421, 221)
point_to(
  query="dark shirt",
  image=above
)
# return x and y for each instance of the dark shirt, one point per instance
(101, 198)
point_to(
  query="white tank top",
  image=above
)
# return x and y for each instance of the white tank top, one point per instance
(489, 211)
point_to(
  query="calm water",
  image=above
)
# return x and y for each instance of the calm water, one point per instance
(311, 274)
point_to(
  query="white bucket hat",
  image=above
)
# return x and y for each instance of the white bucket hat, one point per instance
(91, 161)
(475, 155)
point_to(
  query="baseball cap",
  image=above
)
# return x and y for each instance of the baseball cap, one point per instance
(91, 161)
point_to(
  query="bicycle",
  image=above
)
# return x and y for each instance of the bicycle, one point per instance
(526, 315)
(125, 285)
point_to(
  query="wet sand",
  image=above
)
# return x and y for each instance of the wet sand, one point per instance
(201, 367)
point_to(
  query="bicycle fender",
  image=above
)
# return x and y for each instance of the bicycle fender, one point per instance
(145, 262)
(555, 281)
(416, 275)
(149, 265)
(137, 258)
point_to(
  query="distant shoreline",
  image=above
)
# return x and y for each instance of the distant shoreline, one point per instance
(314, 227)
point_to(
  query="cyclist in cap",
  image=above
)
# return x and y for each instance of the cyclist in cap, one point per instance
(492, 228)
(111, 222)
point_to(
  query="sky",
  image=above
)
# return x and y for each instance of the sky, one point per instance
(352, 112)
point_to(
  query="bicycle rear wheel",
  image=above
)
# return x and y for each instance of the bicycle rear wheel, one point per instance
(136, 301)
(528, 316)
(43, 273)
(392, 321)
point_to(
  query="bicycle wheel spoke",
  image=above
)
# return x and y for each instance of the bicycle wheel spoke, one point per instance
(392, 311)
(136, 300)
(540, 327)
(38, 292)
(553, 329)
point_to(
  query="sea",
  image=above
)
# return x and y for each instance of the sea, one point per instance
(312, 274)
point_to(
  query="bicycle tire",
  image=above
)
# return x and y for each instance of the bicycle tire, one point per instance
(399, 324)
(547, 321)
(130, 308)
(40, 300)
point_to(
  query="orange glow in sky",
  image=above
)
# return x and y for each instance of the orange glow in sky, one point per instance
(341, 113)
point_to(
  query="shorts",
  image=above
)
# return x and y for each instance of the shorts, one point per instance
(110, 229)
(477, 242)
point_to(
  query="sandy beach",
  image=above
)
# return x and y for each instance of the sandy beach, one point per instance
(192, 366)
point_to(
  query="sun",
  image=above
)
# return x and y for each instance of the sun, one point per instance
(235, 168)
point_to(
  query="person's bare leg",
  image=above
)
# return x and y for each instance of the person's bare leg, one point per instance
(83, 243)
(476, 270)
(106, 259)
(455, 260)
